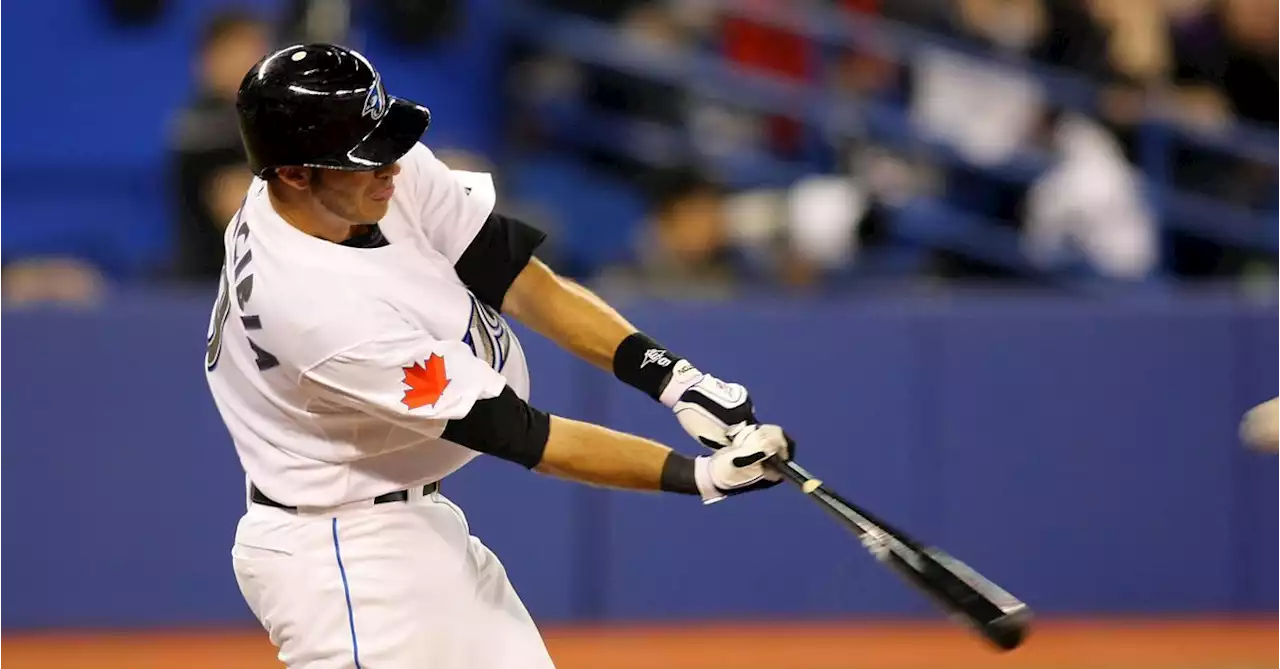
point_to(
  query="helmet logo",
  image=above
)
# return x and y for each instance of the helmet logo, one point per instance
(375, 103)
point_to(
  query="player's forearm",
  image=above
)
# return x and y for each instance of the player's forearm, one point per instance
(567, 313)
(599, 456)
(583, 324)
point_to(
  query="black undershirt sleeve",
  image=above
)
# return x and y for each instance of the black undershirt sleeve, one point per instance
(500, 251)
(509, 428)
(505, 427)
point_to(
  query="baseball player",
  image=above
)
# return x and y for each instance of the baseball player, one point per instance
(358, 354)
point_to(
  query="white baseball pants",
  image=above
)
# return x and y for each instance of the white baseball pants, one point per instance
(387, 586)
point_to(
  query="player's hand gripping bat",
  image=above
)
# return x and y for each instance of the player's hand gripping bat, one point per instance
(965, 594)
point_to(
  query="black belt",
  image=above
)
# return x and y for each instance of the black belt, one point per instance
(258, 497)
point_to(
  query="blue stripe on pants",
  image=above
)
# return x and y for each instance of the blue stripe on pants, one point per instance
(346, 590)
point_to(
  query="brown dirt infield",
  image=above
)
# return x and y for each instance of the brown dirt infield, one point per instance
(1250, 644)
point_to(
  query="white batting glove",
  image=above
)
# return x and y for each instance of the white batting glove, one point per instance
(741, 466)
(709, 409)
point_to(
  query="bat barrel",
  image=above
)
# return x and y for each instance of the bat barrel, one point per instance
(979, 604)
(1010, 630)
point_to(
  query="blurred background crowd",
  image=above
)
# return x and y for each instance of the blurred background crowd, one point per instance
(696, 147)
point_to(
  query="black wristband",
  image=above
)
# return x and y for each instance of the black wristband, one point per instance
(678, 475)
(644, 364)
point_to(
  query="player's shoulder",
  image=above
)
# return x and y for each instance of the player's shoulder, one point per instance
(422, 164)
(311, 325)
(305, 312)
(420, 153)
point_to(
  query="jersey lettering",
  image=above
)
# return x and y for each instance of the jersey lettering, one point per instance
(242, 256)
(263, 358)
(244, 290)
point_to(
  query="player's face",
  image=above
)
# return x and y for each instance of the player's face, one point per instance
(359, 197)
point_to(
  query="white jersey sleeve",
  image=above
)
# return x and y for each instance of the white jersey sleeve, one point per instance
(408, 379)
(452, 205)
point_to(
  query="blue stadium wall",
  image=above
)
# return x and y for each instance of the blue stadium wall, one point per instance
(1084, 453)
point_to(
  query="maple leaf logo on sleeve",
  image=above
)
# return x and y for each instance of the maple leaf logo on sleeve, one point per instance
(426, 383)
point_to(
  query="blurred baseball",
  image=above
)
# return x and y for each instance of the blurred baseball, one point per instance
(1260, 428)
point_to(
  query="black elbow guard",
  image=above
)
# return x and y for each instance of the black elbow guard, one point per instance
(505, 427)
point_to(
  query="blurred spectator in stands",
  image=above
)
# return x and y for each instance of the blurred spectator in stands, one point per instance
(1224, 60)
(985, 108)
(1123, 63)
(207, 160)
(834, 218)
(650, 30)
(1132, 59)
(1088, 208)
(653, 28)
(826, 227)
(766, 48)
(66, 281)
(811, 235)
(1224, 66)
(1136, 44)
(1074, 39)
(862, 70)
(684, 248)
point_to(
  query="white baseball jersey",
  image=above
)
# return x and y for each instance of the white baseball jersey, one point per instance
(336, 368)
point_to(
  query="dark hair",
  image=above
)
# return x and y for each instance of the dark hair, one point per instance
(228, 22)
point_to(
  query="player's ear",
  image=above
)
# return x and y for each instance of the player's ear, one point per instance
(297, 178)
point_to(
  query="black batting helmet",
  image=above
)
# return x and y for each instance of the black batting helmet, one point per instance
(323, 105)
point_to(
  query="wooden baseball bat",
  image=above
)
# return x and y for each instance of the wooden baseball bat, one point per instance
(965, 594)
